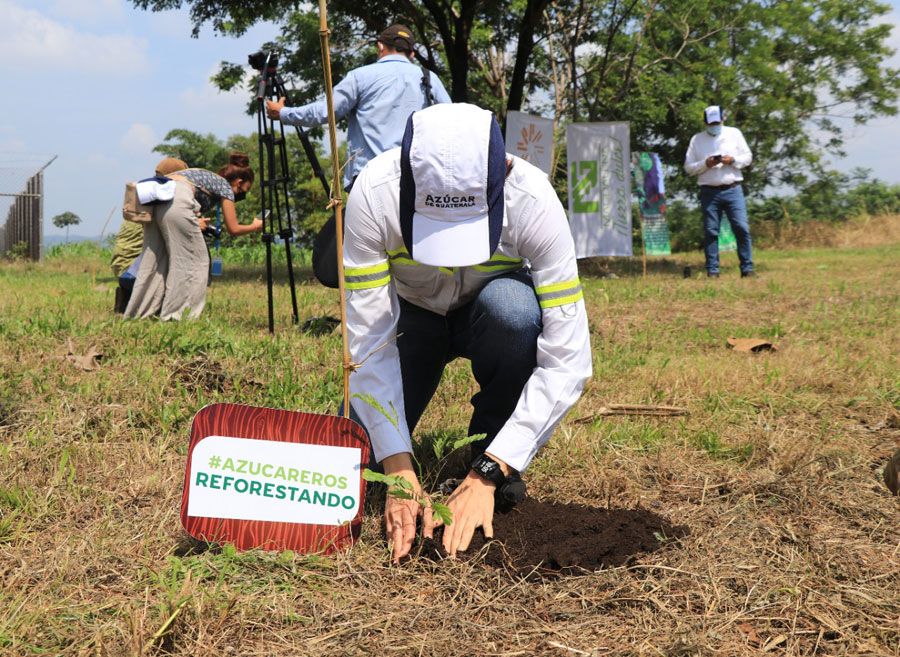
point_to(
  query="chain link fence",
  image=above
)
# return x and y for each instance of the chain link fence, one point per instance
(22, 205)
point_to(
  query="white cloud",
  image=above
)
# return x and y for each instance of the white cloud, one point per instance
(89, 11)
(221, 111)
(139, 138)
(10, 141)
(173, 22)
(97, 161)
(14, 144)
(30, 40)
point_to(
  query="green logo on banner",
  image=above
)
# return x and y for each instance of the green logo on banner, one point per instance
(585, 179)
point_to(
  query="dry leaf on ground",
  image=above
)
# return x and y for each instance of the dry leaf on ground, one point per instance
(751, 344)
(87, 362)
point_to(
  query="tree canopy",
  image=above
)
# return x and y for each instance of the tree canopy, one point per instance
(65, 220)
(792, 74)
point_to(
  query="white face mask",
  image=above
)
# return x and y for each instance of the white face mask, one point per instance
(714, 130)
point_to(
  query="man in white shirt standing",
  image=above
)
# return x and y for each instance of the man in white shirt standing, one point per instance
(716, 156)
(455, 248)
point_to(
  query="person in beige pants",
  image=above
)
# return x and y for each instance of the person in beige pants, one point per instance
(173, 275)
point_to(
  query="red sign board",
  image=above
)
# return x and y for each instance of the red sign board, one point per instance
(273, 479)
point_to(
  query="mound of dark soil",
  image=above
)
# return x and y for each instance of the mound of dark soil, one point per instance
(549, 538)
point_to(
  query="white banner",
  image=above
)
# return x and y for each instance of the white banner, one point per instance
(599, 158)
(270, 480)
(531, 138)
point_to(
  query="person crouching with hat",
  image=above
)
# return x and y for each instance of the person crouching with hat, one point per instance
(454, 248)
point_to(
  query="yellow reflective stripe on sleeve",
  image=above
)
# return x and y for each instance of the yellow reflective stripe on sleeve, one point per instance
(499, 263)
(365, 271)
(401, 257)
(559, 294)
(499, 257)
(364, 278)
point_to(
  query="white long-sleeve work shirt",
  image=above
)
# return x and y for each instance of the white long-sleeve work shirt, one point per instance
(377, 269)
(730, 142)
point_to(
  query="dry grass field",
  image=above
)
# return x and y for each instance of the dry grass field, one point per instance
(784, 540)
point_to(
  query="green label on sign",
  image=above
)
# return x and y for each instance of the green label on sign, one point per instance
(586, 184)
(655, 232)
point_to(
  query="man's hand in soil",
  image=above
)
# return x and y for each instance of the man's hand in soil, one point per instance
(400, 515)
(472, 506)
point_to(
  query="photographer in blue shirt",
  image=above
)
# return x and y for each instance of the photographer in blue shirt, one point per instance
(376, 100)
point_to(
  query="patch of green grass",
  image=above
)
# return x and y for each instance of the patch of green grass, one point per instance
(635, 434)
(93, 462)
(710, 442)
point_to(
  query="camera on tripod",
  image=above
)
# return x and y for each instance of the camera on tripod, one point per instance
(262, 59)
(274, 176)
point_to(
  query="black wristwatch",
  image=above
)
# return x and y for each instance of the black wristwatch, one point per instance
(510, 490)
(489, 469)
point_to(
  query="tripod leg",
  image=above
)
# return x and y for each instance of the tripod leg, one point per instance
(290, 268)
(287, 232)
(267, 236)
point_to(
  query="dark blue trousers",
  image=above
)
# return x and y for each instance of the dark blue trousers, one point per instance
(714, 202)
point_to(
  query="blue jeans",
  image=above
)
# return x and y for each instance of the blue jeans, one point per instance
(497, 332)
(713, 203)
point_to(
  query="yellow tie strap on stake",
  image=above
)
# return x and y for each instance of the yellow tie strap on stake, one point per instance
(336, 201)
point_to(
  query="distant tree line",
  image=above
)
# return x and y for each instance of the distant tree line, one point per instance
(833, 198)
(792, 74)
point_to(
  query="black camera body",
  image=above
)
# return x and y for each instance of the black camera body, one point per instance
(262, 59)
(212, 231)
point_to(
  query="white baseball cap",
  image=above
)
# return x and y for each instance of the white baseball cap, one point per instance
(452, 171)
(712, 114)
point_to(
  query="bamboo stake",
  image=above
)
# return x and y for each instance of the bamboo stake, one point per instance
(653, 410)
(336, 201)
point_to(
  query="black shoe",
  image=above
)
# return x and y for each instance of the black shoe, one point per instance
(748, 274)
(712, 274)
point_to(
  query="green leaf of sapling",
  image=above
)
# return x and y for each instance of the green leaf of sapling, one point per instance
(443, 512)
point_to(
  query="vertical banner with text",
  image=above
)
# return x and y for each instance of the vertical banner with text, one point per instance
(650, 189)
(599, 158)
(531, 138)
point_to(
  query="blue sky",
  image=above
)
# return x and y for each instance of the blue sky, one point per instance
(99, 83)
